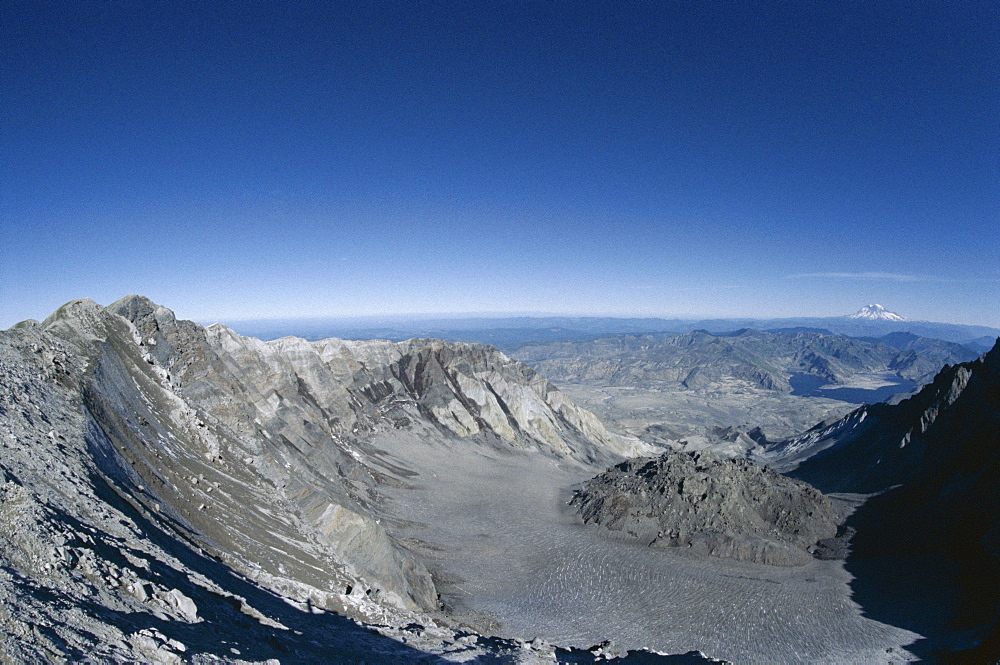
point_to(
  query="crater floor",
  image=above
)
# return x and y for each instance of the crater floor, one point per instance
(513, 558)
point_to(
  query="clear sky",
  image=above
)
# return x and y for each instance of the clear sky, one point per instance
(266, 159)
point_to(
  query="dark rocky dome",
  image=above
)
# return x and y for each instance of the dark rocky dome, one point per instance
(722, 507)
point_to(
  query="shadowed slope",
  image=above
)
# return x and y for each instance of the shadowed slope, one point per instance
(936, 457)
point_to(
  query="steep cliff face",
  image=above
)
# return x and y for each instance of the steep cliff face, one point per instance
(345, 389)
(178, 406)
(130, 427)
(178, 433)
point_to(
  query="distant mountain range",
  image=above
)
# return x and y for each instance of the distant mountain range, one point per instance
(511, 333)
(787, 361)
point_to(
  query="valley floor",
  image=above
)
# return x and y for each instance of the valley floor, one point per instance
(513, 558)
(669, 415)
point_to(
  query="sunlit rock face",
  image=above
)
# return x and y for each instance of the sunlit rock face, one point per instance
(288, 413)
(127, 431)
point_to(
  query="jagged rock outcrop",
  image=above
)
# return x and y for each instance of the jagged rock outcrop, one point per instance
(159, 474)
(723, 507)
(464, 390)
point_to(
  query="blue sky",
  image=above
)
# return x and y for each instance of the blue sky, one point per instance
(253, 159)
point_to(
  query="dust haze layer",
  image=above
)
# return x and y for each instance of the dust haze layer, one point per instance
(511, 333)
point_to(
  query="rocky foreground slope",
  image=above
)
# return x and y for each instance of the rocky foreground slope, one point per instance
(729, 508)
(174, 492)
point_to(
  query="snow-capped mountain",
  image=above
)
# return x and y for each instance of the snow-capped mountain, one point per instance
(877, 313)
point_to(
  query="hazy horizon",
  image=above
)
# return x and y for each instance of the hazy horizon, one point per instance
(374, 319)
(678, 160)
(460, 316)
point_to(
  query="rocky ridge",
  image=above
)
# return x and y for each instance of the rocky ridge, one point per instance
(879, 446)
(180, 493)
(721, 507)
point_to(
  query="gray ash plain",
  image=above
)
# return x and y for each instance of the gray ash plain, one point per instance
(678, 418)
(513, 558)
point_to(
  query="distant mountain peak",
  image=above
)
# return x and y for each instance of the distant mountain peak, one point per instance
(876, 312)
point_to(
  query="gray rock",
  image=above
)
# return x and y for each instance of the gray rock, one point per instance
(722, 507)
(182, 604)
(116, 423)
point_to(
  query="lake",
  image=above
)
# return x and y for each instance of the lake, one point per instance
(807, 385)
